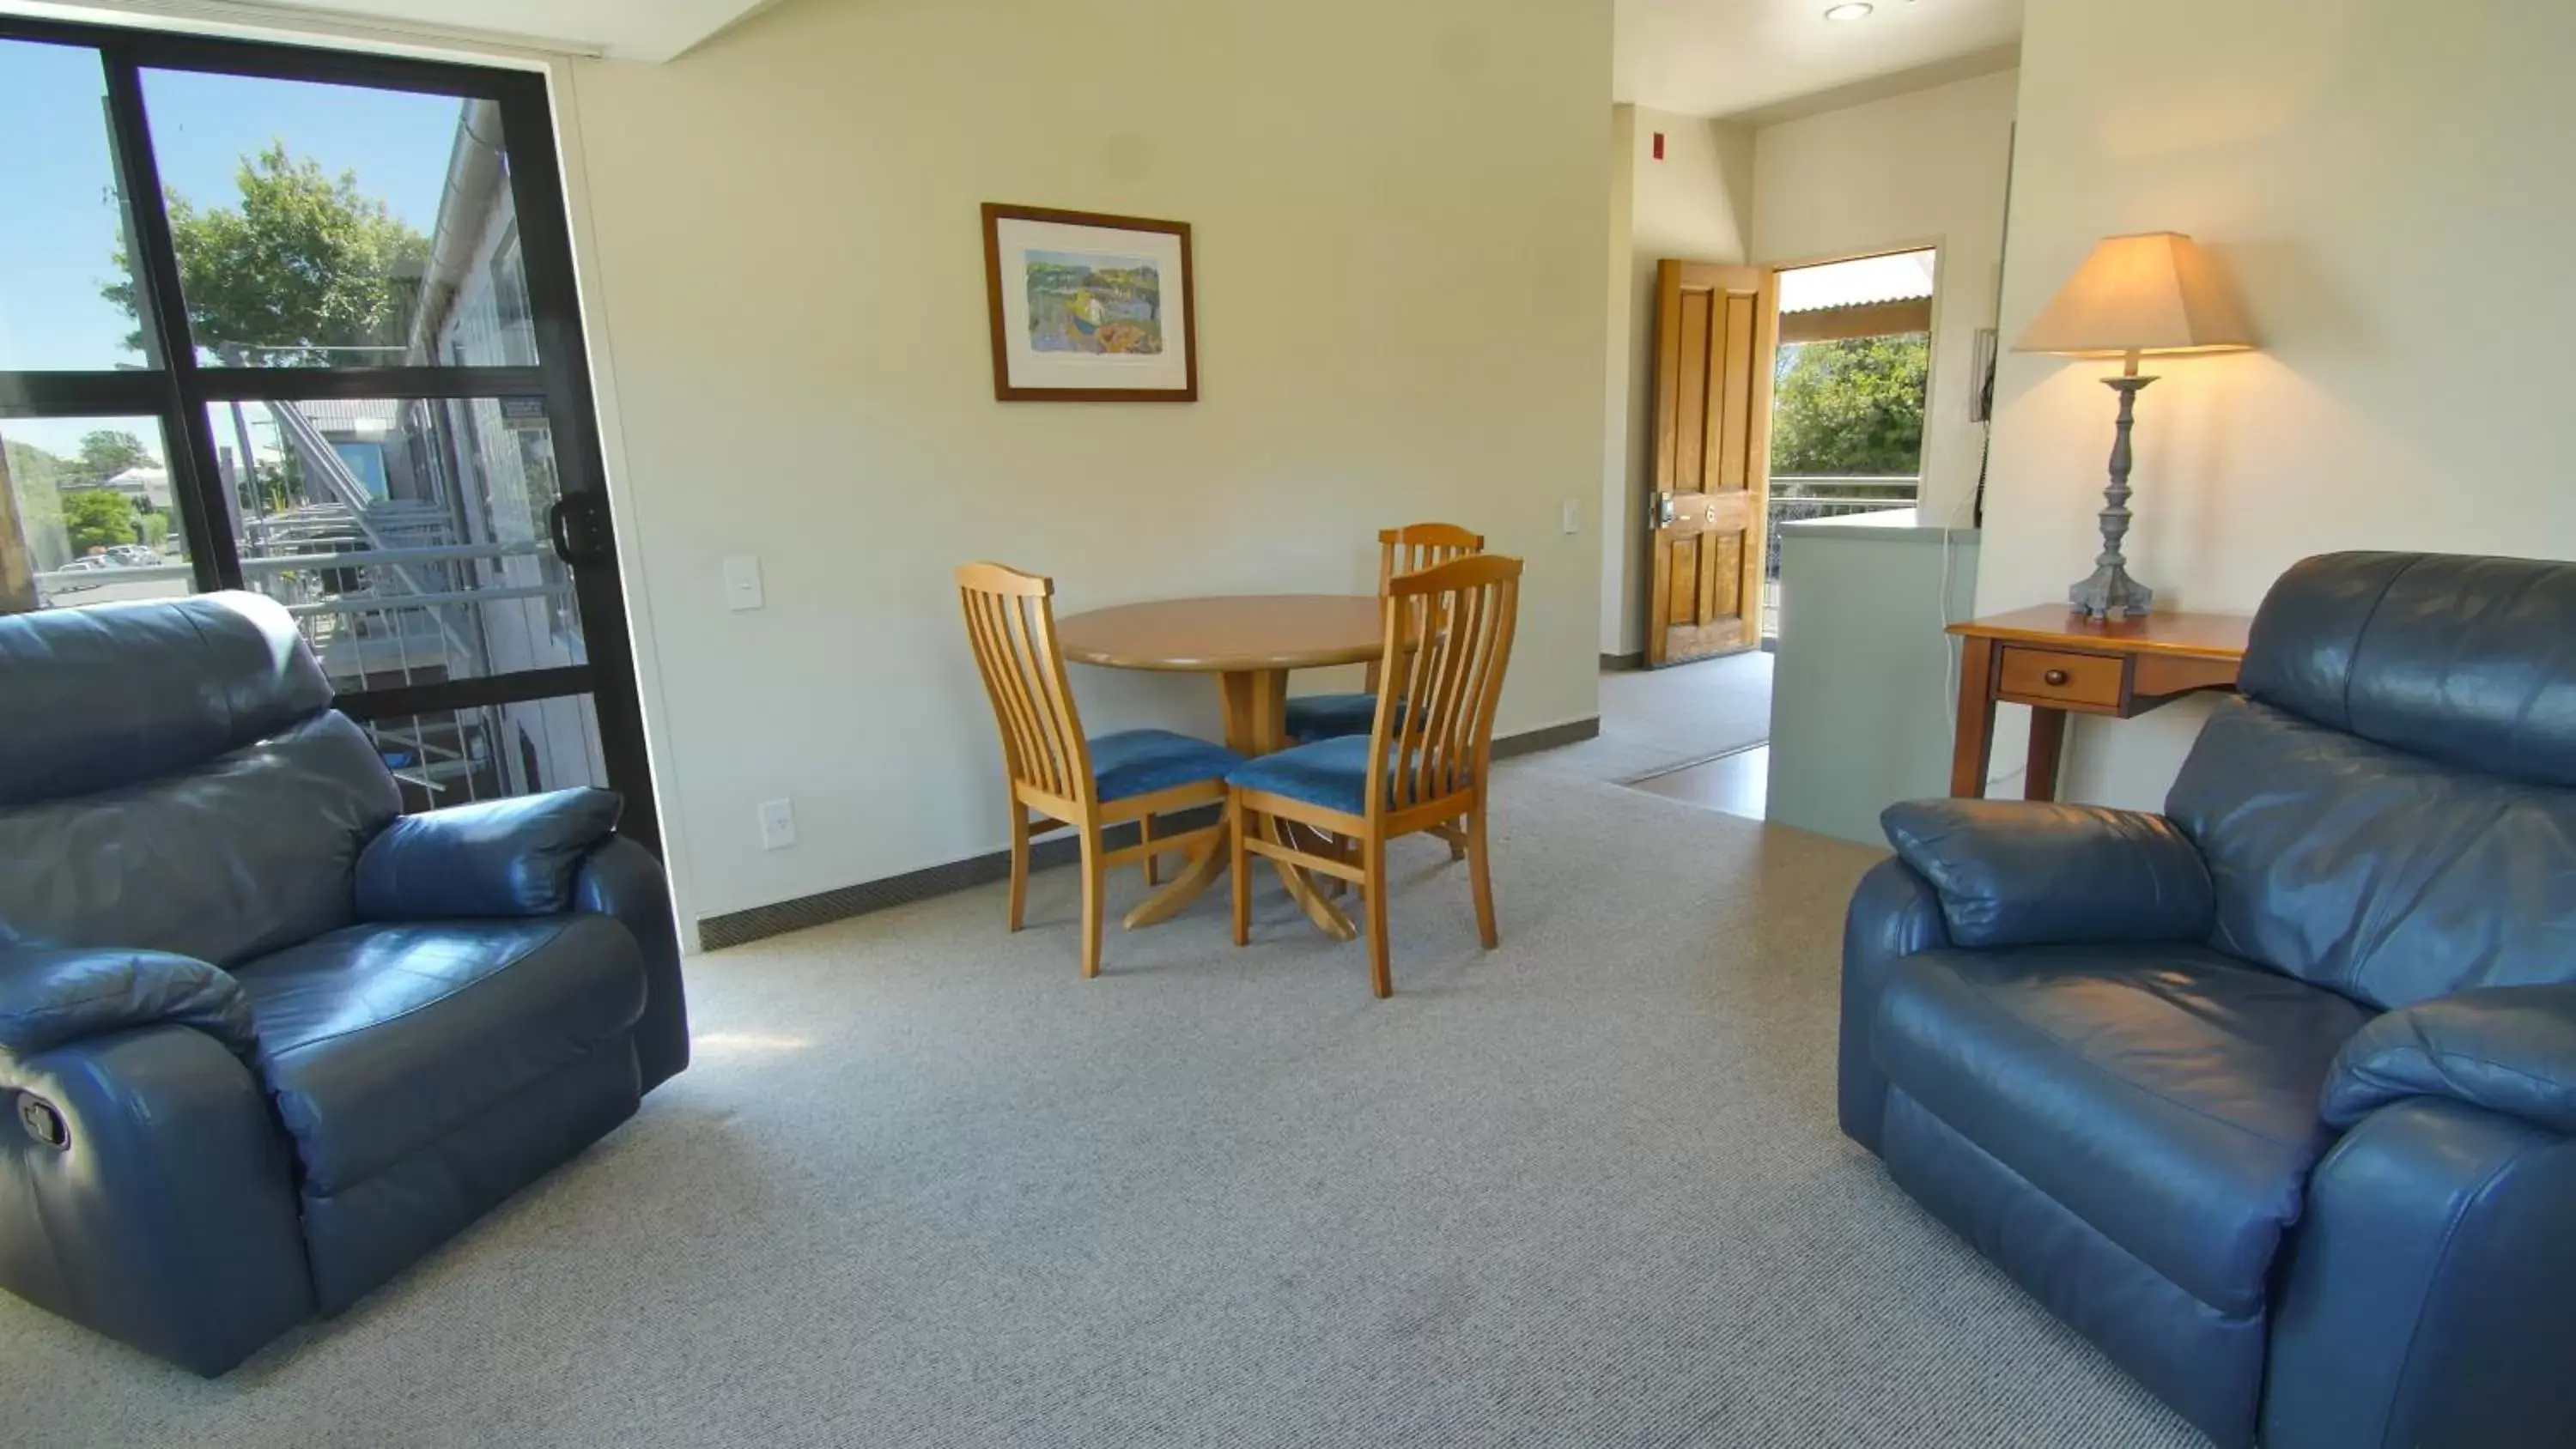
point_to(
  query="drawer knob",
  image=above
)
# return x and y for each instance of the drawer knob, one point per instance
(2057, 677)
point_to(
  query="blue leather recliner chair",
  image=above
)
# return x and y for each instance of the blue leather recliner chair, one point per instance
(262, 1042)
(2273, 1096)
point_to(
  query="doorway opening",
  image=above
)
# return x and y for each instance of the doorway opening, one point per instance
(1810, 398)
(1848, 388)
(303, 322)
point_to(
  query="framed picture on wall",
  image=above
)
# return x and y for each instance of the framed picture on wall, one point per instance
(1090, 308)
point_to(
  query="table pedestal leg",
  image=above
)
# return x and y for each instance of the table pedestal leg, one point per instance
(1256, 703)
(1256, 723)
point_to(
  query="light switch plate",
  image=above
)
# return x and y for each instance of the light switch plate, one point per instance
(742, 582)
(777, 824)
(1573, 516)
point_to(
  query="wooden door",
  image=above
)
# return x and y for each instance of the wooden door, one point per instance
(1715, 331)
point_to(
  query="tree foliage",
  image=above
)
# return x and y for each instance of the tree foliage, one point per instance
(1853, 406)
(104, 454)
(97, 518)
(306, 263)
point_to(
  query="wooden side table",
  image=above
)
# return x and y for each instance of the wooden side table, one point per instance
(2056, 661)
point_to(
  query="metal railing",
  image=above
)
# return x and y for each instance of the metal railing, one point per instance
(1797, 497)
(355, 606)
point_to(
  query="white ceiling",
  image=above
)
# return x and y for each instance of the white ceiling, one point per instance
(630, 29)
(1721, 57)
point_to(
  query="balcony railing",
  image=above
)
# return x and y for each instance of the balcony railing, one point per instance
(381, 615)
(400, 615)
(1797, 497)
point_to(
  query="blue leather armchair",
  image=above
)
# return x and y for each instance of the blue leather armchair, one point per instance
(263, 1042)
(2273, 1096)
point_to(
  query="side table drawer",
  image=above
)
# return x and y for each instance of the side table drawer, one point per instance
(2078, 681)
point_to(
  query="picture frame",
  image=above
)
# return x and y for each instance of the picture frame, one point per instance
(1090, 307)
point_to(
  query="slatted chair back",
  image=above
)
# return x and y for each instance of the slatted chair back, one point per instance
(1448, 639)
(1010, 621)
(1413, 548)
(1418, 546)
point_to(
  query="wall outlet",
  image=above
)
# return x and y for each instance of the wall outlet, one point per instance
(1573, 521)
(742, 582)
(777, 824)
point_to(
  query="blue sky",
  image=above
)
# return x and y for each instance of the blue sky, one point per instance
(58, 222)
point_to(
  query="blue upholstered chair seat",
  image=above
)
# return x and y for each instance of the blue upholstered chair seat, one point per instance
(1140, 762)
(478, 1011)
(1314, 717)
(2166, 1095)
(1329, 773)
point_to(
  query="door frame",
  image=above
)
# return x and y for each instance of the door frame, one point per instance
(177, 392)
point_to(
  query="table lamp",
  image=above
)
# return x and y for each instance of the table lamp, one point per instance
(2135, 296)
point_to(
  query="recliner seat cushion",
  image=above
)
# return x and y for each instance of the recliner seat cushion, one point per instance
(378, 1040)
(2165, 1095)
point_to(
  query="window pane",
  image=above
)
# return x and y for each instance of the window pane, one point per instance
(65, 289)
(87, 514)
(337, 226)
(408, 538)
(454, 756)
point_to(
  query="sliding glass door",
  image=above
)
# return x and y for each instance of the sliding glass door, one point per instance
(303, 322)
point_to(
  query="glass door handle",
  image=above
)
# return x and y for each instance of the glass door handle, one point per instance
(572, 525)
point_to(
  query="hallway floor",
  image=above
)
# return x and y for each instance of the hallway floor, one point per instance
(1655, 721)
(1739, 784)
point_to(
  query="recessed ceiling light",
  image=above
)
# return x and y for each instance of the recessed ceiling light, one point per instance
(1854, 11)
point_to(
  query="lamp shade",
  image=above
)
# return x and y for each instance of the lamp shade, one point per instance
(2153, 292)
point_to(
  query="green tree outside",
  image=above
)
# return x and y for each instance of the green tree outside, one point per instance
(104, 454)
(1850, 407)
(97, 518)
(305, 265)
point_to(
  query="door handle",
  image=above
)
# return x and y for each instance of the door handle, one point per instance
(1664, 509)
(572, 525)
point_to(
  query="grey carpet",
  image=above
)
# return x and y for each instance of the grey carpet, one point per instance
(926, 1186)
(1654, 720)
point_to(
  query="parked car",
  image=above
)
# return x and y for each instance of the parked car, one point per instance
(58, 588)
(133, 555)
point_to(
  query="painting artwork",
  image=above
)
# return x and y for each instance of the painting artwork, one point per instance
(1082, 302)
(1088, 307)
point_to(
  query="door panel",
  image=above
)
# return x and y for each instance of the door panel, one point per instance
(1716, 330)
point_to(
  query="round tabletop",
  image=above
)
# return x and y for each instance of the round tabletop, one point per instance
(1227, 634)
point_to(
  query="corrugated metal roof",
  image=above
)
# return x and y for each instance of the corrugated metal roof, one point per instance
(1867, 281)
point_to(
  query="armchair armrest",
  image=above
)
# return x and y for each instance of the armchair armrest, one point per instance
(515, 857)
(2013, 872)
(622, 879)
(2508, 1049)
(151, 1195)
(51, 998)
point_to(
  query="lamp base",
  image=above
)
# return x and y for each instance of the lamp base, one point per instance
(2110, 594)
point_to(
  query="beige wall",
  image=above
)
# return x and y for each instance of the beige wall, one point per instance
(1397, 213)
(2385, 184)
(1695, 204)
(1925, 168)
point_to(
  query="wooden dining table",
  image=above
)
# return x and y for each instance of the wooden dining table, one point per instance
(1251, 643)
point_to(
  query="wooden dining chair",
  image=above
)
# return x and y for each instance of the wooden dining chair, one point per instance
(1409, 549)
(1071, 781)
(1423, 764)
